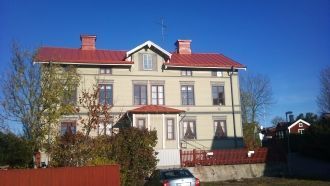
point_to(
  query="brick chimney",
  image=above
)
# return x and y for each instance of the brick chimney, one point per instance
(88, 42)
(183, 46)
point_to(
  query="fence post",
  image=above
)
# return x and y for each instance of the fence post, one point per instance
(181, 158)
(194, 157)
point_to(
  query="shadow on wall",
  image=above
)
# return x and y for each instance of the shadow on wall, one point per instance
(123, 122)
(219, 143)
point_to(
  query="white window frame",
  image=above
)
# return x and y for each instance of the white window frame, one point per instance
(301, 124)
(184, 89)
(147, 61)
(157, 95)
(301, 131)
(172, 127)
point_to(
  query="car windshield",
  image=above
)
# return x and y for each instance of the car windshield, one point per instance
(173, 174)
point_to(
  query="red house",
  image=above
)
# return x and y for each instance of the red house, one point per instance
(298, 127)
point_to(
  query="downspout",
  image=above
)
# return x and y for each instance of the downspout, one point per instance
(232, 104)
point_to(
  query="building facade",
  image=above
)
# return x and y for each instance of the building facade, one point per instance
(191, 99)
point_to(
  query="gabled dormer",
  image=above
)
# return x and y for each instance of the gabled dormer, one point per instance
(148, 56)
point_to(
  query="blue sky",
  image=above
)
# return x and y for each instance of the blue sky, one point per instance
(289, 40)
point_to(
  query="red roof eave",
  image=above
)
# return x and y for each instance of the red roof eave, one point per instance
(155, 109)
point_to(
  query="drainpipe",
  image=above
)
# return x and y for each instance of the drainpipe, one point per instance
(232, 104)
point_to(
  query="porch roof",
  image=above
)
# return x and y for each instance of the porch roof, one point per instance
(155, 109)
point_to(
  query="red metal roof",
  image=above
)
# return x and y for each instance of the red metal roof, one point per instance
(202, 60)
(74, 55)
(155, 109)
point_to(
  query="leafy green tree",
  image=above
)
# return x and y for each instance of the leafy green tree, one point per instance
(133, 149)
(15, 151)
(309, 117)
(250, 136)
(34, 94)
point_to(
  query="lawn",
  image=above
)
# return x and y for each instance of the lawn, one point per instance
(269, 181)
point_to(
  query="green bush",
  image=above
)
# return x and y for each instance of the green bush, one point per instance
(250, 136)
(71, 150)
(131, 148)
(15, 151)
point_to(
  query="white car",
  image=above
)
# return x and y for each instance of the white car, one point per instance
(172, 177)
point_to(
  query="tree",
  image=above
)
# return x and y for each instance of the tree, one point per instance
(256, 95)
(34, 95)
(323, 100)
(250, 136)
(133, 149)
(72, 150)
(15, 151)
(309, 117)
(277, 119)
(96, 112)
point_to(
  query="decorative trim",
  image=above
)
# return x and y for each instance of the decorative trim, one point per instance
(148, 44)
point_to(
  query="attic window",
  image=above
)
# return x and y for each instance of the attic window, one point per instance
(300, 125)
(104, 70)
(186, 72)
(217, 73)
(147, 62)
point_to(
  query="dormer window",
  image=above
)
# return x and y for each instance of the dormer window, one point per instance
(217, 73)
(105, 70)
(147, 62)
(186, 72)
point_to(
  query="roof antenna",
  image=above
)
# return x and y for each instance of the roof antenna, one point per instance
(163, 27)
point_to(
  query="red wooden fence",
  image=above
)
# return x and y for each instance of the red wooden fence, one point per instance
(191, 158)
(98, 175)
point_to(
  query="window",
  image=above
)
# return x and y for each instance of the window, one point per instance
(68, 128)
(170, 129)
(187, 94)
(220, 128)
(218, 95)
(140, 94)
(105, 94)
(157, 94)
(300, 125)
(186, 72)
(71, 97)
(105, 70)
(147, 61)
(188, 129)
(107, 130)
(141, 123)
(300, 131)
(216, 73)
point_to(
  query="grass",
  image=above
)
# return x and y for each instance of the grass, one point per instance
(263, 181)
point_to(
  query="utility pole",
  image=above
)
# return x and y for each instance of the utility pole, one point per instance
(232, 104)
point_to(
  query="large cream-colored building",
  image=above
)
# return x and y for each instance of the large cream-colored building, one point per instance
(191, 99)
